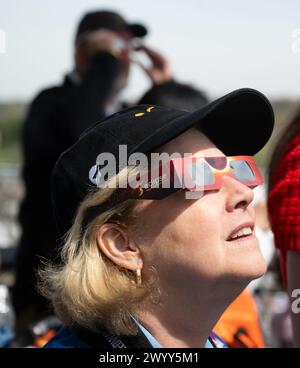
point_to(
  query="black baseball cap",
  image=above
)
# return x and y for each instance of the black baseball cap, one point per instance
(108, 20)
(239, 123)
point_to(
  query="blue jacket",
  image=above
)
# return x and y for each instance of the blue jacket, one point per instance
(69, 338)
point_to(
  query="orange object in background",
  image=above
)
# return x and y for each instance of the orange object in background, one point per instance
(239, 325)
(42, 340)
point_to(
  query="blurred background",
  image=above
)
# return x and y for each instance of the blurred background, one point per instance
(213, 45)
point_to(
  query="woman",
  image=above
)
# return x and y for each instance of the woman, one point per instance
(147, 265)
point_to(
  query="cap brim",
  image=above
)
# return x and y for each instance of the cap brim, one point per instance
(138, 30)
(239, 123)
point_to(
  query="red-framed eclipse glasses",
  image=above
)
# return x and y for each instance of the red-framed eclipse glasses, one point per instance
(194, 174)
(206, 173)
(189, 173)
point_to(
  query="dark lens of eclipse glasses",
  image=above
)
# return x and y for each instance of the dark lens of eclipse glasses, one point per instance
(242, 171)
(202, 174)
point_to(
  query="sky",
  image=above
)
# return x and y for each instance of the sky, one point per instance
(215, 45)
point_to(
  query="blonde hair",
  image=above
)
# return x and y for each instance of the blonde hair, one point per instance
(88, 288)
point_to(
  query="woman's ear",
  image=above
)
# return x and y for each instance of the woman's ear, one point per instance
(114, 241)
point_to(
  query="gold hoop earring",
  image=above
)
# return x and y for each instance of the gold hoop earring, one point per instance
(138, 277)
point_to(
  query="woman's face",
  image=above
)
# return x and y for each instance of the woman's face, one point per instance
(187, 240)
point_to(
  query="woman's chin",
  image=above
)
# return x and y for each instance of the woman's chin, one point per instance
(245, 259)
(258, 269)
(253, 270)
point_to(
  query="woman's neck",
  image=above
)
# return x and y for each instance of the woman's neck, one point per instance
(178, 323)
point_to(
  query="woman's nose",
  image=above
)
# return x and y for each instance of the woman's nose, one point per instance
(239, 196)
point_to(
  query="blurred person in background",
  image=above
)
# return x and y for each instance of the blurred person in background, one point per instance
(239, 326)
(56, 118)
(284, 210)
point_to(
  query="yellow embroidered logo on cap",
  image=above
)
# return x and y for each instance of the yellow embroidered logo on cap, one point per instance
(141, 191)
(149, 109)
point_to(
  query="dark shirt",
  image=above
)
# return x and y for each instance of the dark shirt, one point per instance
(55, 120)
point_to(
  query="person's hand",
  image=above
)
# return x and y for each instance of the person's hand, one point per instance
(160, 70)
(103, 40)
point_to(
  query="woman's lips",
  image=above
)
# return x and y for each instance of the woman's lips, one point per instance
(242, 231)
(242, 238)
